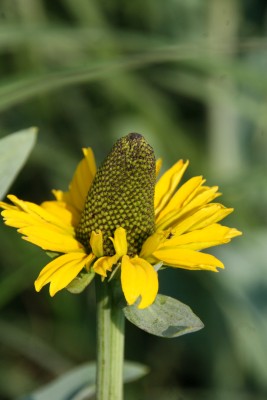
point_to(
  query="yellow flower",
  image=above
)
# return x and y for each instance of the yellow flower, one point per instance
(186, 221)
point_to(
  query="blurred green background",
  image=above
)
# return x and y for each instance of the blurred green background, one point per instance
(191, 77)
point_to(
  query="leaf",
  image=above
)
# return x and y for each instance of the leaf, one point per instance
(80, 282)
(166, 317)
(79, 383)
(14, 151)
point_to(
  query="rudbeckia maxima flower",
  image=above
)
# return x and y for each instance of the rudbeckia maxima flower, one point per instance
(184, 221)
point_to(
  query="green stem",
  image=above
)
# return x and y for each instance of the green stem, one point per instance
(110, 343)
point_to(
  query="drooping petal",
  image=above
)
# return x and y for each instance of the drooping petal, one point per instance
(120, 242)
(188, 259)
(61, 271)
(129, 281)
(150, 284)
(104, 264)
(96, 242)
(167, 184)
(138, 278)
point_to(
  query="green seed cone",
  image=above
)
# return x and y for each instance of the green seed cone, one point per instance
(122, 194)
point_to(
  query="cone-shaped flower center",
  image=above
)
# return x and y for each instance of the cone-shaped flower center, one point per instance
(122, 195)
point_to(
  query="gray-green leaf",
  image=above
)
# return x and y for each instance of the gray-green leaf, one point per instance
(14, 150)
(166, 317)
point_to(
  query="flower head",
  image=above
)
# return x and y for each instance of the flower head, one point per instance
(118, 222)
(122, 195)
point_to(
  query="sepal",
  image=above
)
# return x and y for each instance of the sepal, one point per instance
(80, 282)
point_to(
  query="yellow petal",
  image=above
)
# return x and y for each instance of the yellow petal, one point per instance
(104, 264)
(182, 196)
(198, 201)
(208, 215)
(138, 278)
(81, 182)
(152, 243)
(7, 206)
(129, 280)
(120, 242)
(201, 199)
(158, 166)
(40, 213)
(167, 184)
(19, 219)
(63, 198)
(50, 239)
(212, 235)
(61, 271)
(96, 242)
(188, 259)
(42, 227)
(61, 211)
(90, 159)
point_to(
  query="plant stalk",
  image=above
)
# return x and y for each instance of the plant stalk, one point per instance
(110, 343)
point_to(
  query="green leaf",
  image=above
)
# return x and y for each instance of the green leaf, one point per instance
(166, 317)
(80, 282)
(79, 383)
(14, 151)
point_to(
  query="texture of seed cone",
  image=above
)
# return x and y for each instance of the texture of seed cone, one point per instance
(122, 194)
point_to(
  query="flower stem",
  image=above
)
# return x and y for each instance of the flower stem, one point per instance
(110, 343)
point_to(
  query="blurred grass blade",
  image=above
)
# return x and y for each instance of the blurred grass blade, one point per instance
(14, 151)
(79, 383)
(20, 89)
(166, 317)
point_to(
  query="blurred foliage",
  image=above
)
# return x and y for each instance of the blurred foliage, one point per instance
(191, 77)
